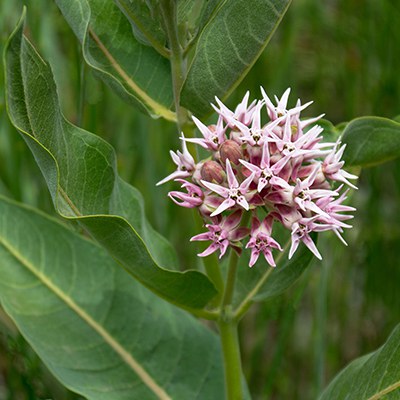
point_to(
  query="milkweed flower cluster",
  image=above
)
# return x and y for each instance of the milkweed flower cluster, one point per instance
(281, 169)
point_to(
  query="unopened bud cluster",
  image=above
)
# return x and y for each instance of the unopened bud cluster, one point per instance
(281, 167)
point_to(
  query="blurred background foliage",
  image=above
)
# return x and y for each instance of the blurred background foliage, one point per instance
(343, 54)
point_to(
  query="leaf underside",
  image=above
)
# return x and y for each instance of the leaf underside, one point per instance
(286, 273)
(80, 171)
(371, 141)
(102, 335)
(372, 377)
(136, 72)
(228, 46)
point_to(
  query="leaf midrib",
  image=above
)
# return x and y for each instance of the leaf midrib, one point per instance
(157, 107)
(387, 390)
(129, 360)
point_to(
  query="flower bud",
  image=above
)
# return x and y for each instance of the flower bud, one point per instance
(211, 171)
(230, 150)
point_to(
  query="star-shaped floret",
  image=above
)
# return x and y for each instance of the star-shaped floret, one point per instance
(280, 110)
(234, 194)
(226, 233)
(256, 135)
(332, 166)
(184, 161)
(303, 195)
(265, 173)
(193, 197)
(301, 230)
(261, 241)
(213, 135)
(242, 113)
(306, 146)
(333, 209)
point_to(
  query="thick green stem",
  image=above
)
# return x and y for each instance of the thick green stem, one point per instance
(229, 336)
(230, 280)
(232, 362)
(177, 59)
(214, 272)
(226, 323)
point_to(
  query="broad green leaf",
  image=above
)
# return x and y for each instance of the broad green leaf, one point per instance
(135, 71)
(288, 273)
(80, 171)
(146, 22)
(228, 46)
(371, 377)
(279, 279)
(101, 334)
(371, 141)
(331, 132)
(192, 15)
(146, 18)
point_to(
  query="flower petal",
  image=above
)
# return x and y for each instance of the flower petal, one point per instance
(243, 202)
(311, 245)
(232, 221)
(232, 181)
(244, 186)
(294, 245)
(201, 237)
(254, 257)
(269, 257)
(210, 249)
(221, 190)
(228, 203)
(174, 175)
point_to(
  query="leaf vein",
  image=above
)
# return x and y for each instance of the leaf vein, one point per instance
(110, 340)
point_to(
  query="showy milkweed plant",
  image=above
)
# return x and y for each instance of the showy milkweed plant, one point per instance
(97, 292)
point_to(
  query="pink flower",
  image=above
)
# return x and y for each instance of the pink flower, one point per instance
(193, 197)
(261, 241)
(332, 209)
(304, 196)
(282, 167)
(210, 203)
(266, 174)
(332, 166)
(305, 146)
(184, 162)
(214, 135)
(242, 113)
(256, 134)
(301, 230)
(226, 233)
(275, 112)
(235, 194)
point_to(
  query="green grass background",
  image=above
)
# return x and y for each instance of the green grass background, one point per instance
(344, 55)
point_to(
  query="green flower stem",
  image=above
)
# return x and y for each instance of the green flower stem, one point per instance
(248, 300)
(214, 273)
(230, 280)
(229, 336)
(211, 265)
(232, 362)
